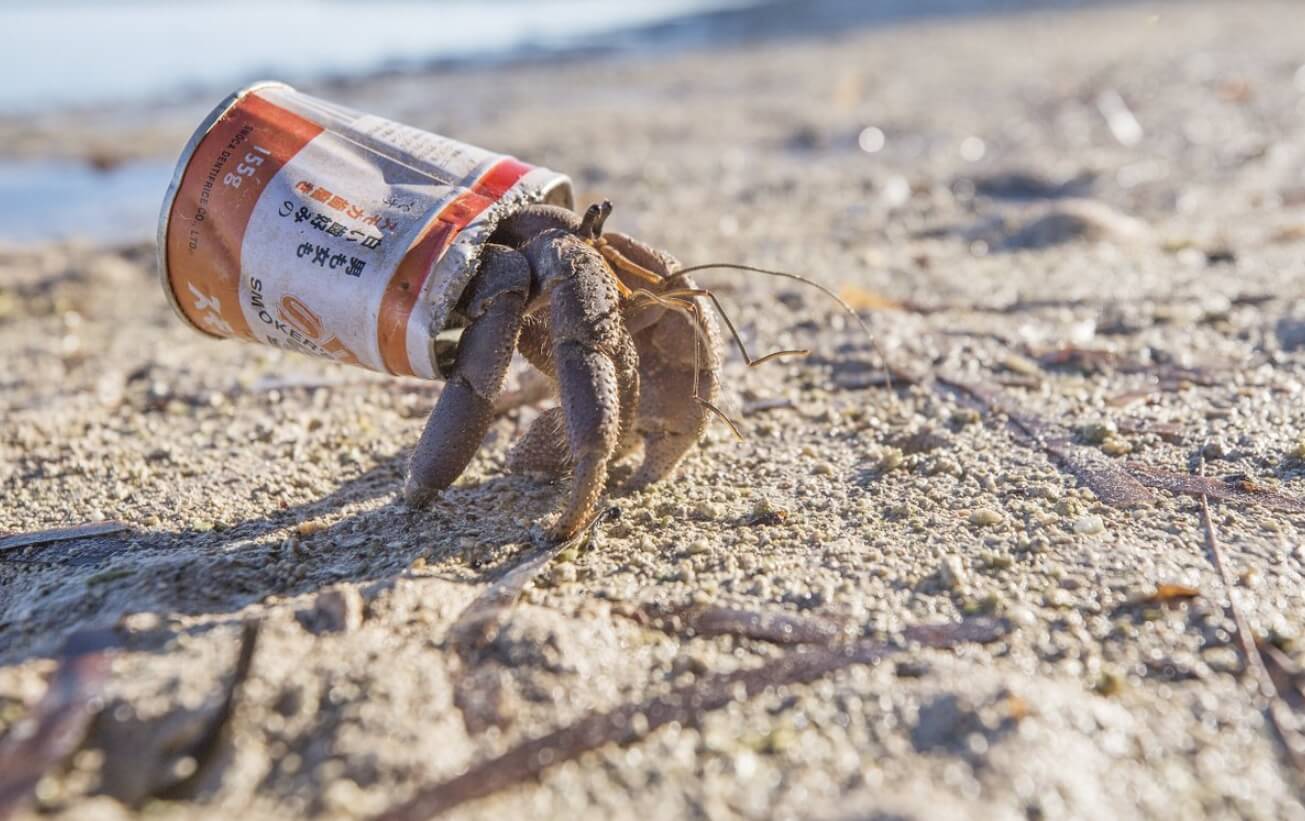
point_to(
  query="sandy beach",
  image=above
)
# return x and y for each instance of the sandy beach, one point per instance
(1078, 238)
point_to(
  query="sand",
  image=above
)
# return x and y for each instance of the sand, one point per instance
(1099, 213)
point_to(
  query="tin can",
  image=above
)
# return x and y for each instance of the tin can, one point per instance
(294, 222)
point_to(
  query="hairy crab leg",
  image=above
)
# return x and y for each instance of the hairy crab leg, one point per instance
(594, 360)
(679, 383)
(495, 305)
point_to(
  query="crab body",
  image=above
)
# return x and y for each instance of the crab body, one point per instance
(628, 343)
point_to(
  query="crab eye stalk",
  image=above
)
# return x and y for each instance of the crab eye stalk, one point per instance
(591, 225)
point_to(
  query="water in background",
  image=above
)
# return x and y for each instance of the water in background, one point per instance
(56, 54)
(96, 53)
(59, 53)
(43, 200)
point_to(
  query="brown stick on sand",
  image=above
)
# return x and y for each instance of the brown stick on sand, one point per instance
(686, 705)
(1279, 714)
(61, 534)
(58, 721)
(1108, 481)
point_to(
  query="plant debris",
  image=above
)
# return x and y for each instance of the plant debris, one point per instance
(1288, 679)
(763, 405)
(1237, 489)
(1278, 713)
(1166, 593)
(58, 723)
(685, 705)
(1111, 483)
(172, 755)
(776, 627)
(855, 376)
(976, 630)
(204, 749)
(62, 534)
(478, 694)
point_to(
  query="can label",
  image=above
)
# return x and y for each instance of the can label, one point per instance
(297, 223)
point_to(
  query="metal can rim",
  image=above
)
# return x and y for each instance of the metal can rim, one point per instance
(169, 198)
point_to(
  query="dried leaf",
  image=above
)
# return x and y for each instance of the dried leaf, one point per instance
(1240, 490)
(62, 534)
(776, 627)
(1108, 481)
(58, 723)
(861, 299)
(203, 751)
(1111, 483)
(1165, 592)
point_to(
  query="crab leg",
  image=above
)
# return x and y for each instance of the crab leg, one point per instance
(678, 359)
(495, 305)
(594, 360)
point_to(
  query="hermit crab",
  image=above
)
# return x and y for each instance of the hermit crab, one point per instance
(624, 333)
(298, 223)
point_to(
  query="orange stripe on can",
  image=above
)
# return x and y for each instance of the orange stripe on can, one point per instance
(209, 216)
(502, 176)
(401, 293)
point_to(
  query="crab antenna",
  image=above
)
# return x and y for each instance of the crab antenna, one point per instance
(734, 427)
(672, 295)
(806, 281)
(697, 340)
(752, 363)
(680, 306)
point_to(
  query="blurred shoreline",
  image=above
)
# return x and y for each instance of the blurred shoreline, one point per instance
(119, 155)
(164, 53)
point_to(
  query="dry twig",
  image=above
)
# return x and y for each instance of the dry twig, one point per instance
(1241, 490)
(62, 534)
(1108, 481)
(686, 705)
(476, 627)
(203, 751)
(1278, 713)
(58, 723)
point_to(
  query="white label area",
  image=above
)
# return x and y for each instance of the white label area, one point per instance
(322, 244)
(447, 160)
